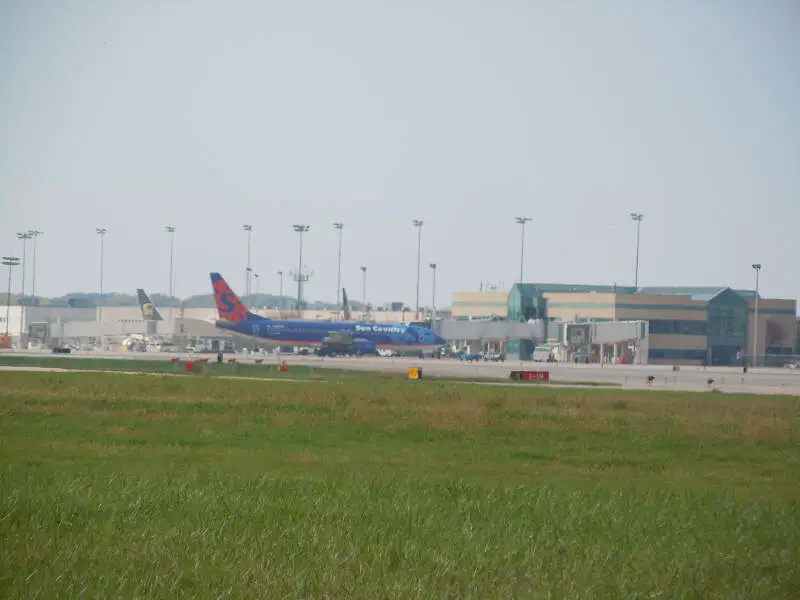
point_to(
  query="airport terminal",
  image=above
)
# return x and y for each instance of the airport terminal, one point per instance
(685, 326)
(532, 321)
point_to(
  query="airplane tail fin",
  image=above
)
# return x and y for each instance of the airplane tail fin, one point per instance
(229, 307)
(149, 312)
(345, 305)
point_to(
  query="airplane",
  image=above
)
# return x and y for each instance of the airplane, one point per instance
(364, 338)
(149, 312)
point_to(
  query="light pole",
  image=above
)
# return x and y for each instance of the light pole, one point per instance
(9, 261)
(35, 233)
(24, 236)
(171, 231)
(522, 221)
(433, 320)
(339, 227)
(101, 231)
(247, 271)
(757, 267)
(638, 218)
(257, 280)
(364, 291)
(280, 293)
(418, 224)
(299, 277)
(249, 300)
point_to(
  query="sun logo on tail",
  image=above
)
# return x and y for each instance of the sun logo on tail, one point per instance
(228, 304)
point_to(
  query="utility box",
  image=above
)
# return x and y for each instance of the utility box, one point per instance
(415, 372)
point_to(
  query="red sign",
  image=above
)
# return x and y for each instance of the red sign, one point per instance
(536, 375)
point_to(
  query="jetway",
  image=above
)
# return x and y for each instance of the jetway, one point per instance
(603, 341)
(491, 331)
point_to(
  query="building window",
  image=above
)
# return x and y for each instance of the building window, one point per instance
(780, 350)
(679, 327)
(726, 322)
(678, 354)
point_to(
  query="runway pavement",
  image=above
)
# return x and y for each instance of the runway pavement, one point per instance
(725, 379)
(760, 381)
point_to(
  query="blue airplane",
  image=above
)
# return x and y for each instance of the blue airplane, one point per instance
(363, 338)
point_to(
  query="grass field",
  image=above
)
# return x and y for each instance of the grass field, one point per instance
(160, 365)
(162, 487)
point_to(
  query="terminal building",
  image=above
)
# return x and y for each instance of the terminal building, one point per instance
(674, 326)
(686, 326)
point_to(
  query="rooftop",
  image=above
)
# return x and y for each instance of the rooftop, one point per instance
(696, 293)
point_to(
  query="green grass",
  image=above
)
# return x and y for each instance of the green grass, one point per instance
(162, 487)
(150, 365)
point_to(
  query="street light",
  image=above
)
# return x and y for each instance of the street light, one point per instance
(299, 277)
(364, 291)
(249, 301)
(35, 233)
(171, 231)
(638, 218)
(101, 231)
(280, 294)
(339, 227)
(522, 221)
(257, 280)
(433, 321)
(24, 236)
(418, 224)
(9, 261)
(249, 230)
(757, 267)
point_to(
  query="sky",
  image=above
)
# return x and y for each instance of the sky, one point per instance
(208, 115)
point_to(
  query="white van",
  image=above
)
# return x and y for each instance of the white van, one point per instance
(543, 354)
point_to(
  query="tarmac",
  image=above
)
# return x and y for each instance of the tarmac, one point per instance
(767, 381)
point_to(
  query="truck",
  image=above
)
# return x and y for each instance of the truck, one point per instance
(544, 353)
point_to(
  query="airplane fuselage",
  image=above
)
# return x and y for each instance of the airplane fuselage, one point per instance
(408, 337)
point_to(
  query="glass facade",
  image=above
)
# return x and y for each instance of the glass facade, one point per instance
(519, 349)
(526, 302)
(514, 305)
(727, 327)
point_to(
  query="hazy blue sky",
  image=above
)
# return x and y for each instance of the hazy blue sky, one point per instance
(210, 114)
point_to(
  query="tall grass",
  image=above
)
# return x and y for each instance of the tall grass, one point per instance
(161, 487)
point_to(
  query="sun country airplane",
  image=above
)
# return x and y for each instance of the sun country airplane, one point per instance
(365, 338)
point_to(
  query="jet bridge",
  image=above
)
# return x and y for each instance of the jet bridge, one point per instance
(603, 341)
(491, 331)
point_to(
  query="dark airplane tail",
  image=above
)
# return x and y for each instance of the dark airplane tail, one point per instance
(149, 312)
(345, 305)
(229, 307)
